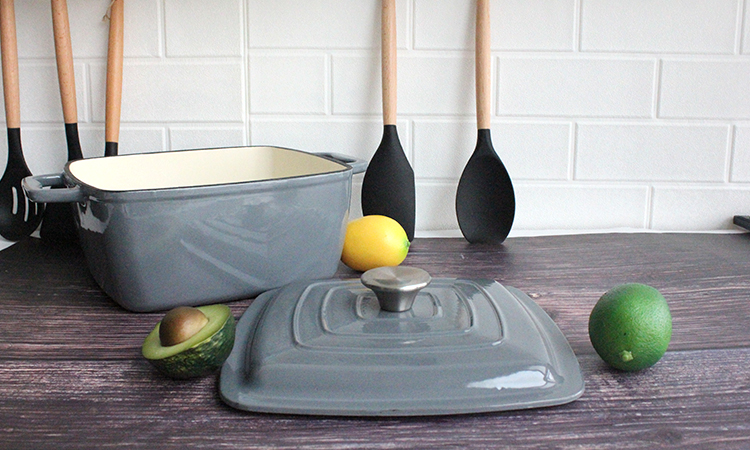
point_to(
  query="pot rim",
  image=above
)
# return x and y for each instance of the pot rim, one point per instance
(159, 170)
(342, 167)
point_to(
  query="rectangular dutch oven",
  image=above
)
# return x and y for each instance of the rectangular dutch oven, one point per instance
(193, 227)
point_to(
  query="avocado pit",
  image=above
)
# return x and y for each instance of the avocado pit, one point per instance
(180, 324)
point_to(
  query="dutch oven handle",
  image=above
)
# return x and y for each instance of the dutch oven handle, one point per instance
(357, 165)
(35, 188)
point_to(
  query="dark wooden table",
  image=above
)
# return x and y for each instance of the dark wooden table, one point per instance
(71, 374)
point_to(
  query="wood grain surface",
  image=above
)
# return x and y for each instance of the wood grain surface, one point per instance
(71, 374)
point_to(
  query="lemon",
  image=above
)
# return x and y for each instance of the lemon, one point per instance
(374, 241)
(631, 326)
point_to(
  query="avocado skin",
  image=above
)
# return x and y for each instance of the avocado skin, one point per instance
(203, 358)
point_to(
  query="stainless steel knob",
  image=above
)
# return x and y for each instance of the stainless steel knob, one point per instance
(396, 287)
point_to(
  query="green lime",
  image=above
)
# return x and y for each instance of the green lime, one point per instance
(631, 326)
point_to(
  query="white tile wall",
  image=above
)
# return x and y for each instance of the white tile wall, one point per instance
(575, 86)
(651, 152)
(607, 114)
(288, 84)
(687, 26)
(218, 33)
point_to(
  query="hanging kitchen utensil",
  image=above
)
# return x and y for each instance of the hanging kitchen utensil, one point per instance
(388, 185)
(485, 201)
(335, 347)
(66, 76)
(59, 223)
(18, 216)
(114, 78)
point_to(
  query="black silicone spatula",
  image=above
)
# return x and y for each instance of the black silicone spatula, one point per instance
(59, 224)
(388, 186)
(19, 216)
(485, 201)
(114, 78)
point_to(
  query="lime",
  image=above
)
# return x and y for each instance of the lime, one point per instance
(374, 241)
(631, 326)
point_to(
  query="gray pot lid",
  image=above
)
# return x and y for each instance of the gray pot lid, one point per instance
(337, 347)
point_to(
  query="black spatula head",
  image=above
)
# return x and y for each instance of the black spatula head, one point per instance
(388, 186)
(485, 200)
(19, 216)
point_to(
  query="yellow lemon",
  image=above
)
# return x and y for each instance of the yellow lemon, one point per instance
(374, 241)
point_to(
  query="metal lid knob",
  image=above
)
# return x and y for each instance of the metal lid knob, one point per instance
(396, 287)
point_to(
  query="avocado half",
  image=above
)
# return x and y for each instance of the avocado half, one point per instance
(201, 354)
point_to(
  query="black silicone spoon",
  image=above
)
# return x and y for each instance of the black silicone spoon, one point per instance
(388, 186)
(485, 201)
(114, 78)
(19, 216)
(59, 223)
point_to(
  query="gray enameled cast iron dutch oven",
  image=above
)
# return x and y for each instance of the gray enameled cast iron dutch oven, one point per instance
(193, 227)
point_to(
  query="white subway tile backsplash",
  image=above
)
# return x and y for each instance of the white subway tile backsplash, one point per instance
(175, 91)
(745, 47)
(436, 207)
(539, 207)
(698, 208)
(427, 85)
(44, 149)
(356, 84)
(89, 29)
(515, 25)
(678, 26)
(570, 207)
(357, 138)
(92, 140)
(442, 147)
(705, 89)
(319, 23)
(607, 115)
(436, 85)
(292, 84)
(647, 152)
(39, 93)
(529, 151)
(142, 31)
(200, 28)
(575, 87)
(34, 29)
(431, 17)
(133, 139)
(136, 139)
(181, 138)
(741, 156)
(547, 25)
(533, 151)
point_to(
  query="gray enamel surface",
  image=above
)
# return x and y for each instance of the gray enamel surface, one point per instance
(465, 346)
(156, 249)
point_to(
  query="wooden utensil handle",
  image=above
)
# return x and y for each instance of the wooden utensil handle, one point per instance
(483, 61)
(389, 55)
(64, 55)
(114, 72)
(9, 50)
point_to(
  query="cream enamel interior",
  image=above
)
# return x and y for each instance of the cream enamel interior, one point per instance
(193, 168)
